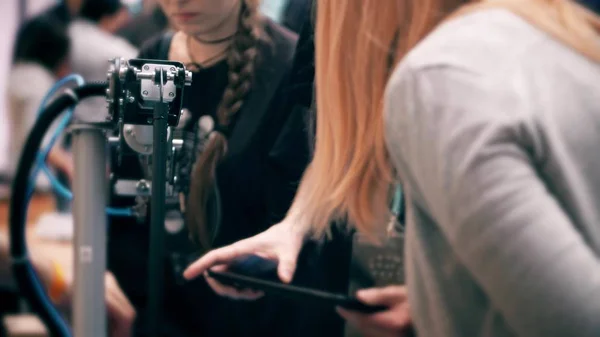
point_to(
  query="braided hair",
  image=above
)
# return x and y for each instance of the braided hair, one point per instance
(241, 60)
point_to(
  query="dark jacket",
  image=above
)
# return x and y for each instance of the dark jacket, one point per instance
(295, 14)
(256, 185)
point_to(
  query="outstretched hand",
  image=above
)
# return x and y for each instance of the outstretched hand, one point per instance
(279, 243)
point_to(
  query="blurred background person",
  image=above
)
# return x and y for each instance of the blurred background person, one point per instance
(41, 57)
(144, 26)
(94, 42)
(63, 12)
(43, 51)
(59, 285)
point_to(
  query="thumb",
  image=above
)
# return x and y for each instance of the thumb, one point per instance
(287, 265)
(388, 296)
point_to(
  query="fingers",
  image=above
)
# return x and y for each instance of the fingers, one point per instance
(119, 317)
(120, 312)
(366, 328)
(395, 319)
(223, 255)
(233, 292)
(388, 323)
(387, 296)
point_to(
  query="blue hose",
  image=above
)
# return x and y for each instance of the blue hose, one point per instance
(59, 187)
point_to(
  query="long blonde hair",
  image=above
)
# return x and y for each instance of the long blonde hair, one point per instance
(357, 44)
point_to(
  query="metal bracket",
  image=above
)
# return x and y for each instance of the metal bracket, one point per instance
(151, 83)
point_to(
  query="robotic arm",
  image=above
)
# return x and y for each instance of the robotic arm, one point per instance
(134, 95)
(144, 103)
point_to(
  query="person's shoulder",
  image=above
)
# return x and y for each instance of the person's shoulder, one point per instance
(279, 40)
(483, 41)
(81, 27)
(157, 47)
(90, 41)
(29, 82)
(479, 50)
(279, 32)
(26, 76)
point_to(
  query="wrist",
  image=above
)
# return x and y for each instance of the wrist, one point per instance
(295, 226)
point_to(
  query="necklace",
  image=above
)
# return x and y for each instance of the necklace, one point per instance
(195, 65)
(217, 41)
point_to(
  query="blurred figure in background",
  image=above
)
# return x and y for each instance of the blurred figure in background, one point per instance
(64, 11)
(94, 41)
(144, 26)
(59, 286)
(41, 56)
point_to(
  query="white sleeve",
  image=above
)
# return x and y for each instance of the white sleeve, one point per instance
(31, 108)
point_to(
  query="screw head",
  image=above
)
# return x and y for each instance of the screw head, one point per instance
(171, 94)
(145, 93)
(146, 68)
(131, 99)
(142, 186)
(149, 120)
(172, 69)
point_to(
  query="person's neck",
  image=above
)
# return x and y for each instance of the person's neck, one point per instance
(206, 45)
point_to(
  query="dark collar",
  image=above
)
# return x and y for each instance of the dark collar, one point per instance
(276, 53)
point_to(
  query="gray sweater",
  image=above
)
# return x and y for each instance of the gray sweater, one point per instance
(495, 130)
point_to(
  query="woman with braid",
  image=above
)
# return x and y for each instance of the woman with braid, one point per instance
(236, 180)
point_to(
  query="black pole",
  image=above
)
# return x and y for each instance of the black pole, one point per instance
(156, 268)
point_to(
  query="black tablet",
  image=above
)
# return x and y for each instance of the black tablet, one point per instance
(240, 281)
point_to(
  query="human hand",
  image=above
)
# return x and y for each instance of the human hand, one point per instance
(392, 322)
(62, 161)
(119, 310)
(281, 243)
